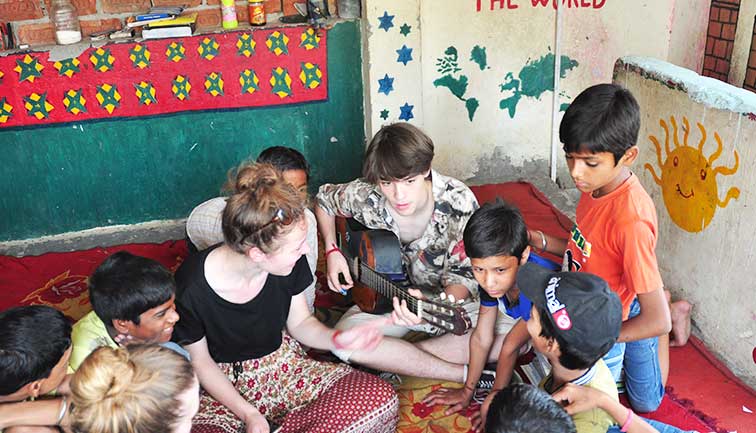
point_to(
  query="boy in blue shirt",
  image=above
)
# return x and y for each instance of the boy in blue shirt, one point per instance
(496, 240)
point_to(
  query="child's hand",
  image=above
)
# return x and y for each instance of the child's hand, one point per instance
(478, 420)
(457, 398)
(123, 339)
(576, 398)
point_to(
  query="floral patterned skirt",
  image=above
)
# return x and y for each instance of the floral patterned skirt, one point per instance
(302, 395)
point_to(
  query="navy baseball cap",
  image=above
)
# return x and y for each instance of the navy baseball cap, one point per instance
(584, 311)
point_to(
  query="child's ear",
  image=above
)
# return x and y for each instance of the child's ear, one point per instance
(123, 326)
(525, 255)
(630, 155)
(33, 388)
(552, 346)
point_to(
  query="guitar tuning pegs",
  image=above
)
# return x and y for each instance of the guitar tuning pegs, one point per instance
(451, 299)
(461, 301)
(443, 296)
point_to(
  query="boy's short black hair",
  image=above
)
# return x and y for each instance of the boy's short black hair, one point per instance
(397, 151)
(125, 286)
(603, 118)
(33, 339)
(284, 158)
(496, 229)
(571, 357)
(522, 408)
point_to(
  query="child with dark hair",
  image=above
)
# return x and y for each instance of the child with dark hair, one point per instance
(522, 408)
(401, 193)
(496, 242)
(35, 344)
(132, 300)
(203, 226)
(575, 320)
(615, 237)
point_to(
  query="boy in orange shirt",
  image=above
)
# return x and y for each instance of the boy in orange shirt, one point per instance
(615, 237)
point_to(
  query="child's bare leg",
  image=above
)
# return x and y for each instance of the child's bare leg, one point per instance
(680, 312)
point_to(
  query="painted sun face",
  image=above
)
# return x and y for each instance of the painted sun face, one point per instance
(688, 178)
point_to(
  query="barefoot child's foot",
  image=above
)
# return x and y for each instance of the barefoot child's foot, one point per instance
(680, 311)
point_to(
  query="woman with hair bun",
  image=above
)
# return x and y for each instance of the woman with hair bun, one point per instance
(244, 313)
(139, 388)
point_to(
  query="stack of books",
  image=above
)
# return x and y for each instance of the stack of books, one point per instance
(163, 22)
(180, 26)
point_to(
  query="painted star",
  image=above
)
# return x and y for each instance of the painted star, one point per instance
(387, 21)
(405, 55)
(384, 114)
(405, 29)
(386, 85)
(406, 111)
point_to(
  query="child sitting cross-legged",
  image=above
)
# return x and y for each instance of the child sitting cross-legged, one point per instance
(575, 320)
(133, 301)
(35, 343)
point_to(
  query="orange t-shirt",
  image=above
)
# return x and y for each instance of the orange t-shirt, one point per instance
(615, 238)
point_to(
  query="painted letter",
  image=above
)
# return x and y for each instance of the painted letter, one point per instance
(583, 3)
(479, 2)
(598, 4)
(543, 3)
(512, 6)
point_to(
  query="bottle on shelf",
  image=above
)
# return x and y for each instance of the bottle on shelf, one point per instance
(66, 22)
(228, 12)
(257, 13)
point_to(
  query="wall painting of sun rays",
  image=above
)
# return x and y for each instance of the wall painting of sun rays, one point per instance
(688, 178)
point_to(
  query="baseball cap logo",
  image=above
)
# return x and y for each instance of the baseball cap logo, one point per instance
(556, 308)
(562, 320)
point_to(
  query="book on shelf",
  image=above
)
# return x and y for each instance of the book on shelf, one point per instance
(144, 22)
(167, 32)
(181, 20)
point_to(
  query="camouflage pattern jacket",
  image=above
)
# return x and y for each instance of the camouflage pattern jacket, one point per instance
(437, 258)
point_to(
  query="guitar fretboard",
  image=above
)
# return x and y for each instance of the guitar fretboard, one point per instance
(386, 287)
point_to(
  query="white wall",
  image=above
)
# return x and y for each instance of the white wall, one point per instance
(515, 41)
(706, 245)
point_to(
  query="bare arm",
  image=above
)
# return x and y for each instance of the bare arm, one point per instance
(32, 413)
(307, 329)
(653, 320)
(480, 344)
(335, 262)
(554, 245)
(219, 387)
(581, 398)
(510, 350)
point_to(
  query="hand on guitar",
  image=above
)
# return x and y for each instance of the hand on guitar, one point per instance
(402, 315)
(337, 265)
(478, 419)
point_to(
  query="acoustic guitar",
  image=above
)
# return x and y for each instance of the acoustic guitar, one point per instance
(375, 259)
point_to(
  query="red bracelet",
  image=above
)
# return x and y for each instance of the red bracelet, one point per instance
(335, 248)
(336, 344)
(628, 421)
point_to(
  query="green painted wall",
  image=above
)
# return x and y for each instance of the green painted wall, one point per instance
(65, 178)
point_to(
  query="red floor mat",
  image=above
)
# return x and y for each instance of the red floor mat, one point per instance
(60, 279)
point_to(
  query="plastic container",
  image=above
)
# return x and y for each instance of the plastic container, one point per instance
(228, 12)
(65, 19)
(257, 13)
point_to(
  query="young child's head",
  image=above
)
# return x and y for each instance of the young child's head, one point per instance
(496, 240)
(575, 318)
(35, 344)
(599, 132)
(291, 163)
(134, 295)
(521, 408)
(140, 387)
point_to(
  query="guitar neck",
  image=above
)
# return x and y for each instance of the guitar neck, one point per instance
(386, 287)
